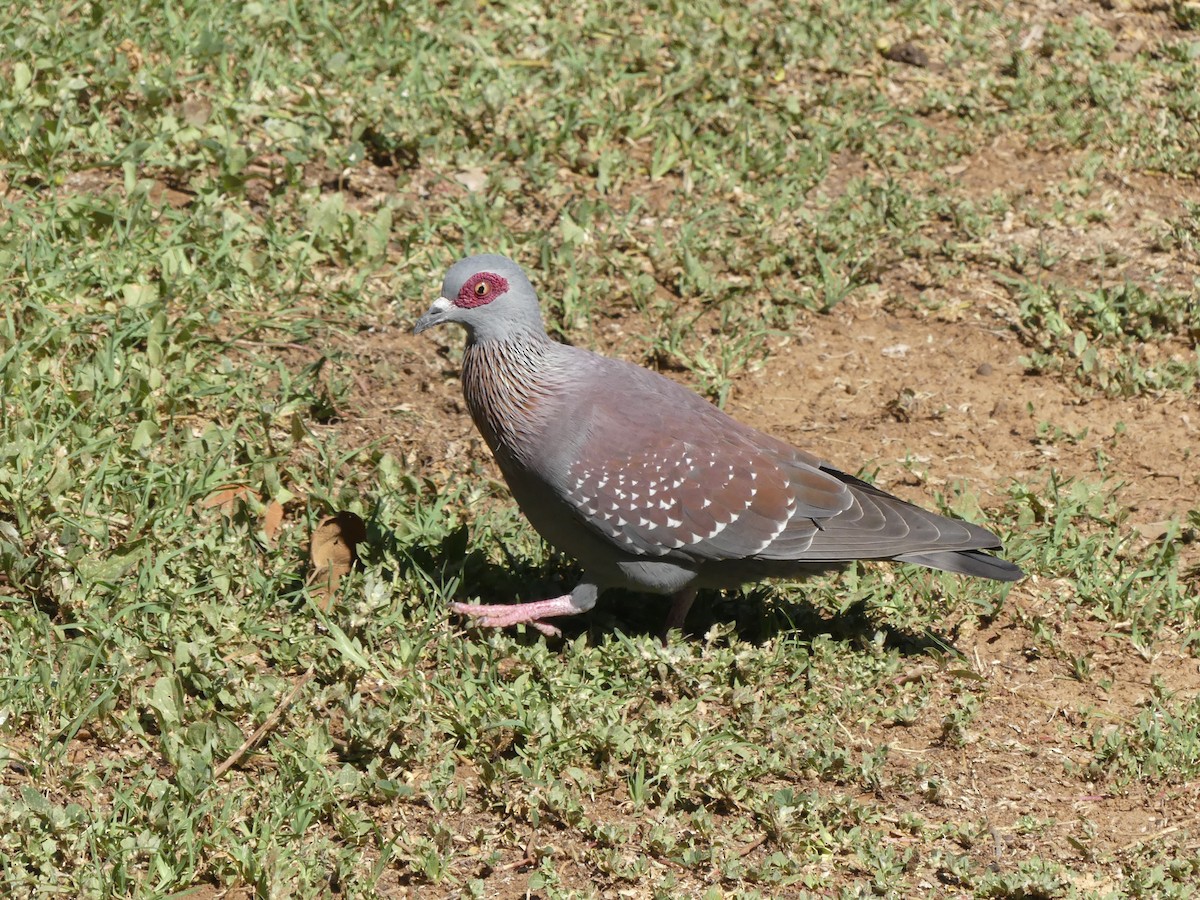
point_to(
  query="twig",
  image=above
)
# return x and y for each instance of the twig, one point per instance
(1150, 838)
(752, 846)
(276, 345)
(271, 721)
(527, 859)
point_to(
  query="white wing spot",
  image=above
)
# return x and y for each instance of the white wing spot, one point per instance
(721, 526)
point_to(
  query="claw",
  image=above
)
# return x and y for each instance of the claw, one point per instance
(505, 615)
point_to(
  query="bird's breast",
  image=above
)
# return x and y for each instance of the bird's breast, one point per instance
(510, 398)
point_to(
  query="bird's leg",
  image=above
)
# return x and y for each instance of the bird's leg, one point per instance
(680, 604)
(503, 615)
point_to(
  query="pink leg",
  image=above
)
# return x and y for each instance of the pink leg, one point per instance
(680, 604)
(503, 615)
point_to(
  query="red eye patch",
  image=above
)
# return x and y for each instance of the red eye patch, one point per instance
(480, 289)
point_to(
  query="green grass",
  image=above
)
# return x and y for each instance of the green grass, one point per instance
(205, 210)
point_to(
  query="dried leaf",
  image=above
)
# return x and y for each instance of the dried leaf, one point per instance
(332, 551)
(272, 519)
(225, 498)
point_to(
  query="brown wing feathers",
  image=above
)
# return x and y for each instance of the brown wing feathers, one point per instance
(743, 502)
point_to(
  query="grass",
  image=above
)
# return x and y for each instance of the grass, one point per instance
(208, 211)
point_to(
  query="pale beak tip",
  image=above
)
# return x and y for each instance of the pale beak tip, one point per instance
(435, 316)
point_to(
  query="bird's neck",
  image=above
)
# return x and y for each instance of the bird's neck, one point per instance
(511, 386)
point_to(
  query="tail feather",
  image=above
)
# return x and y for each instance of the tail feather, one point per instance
(966, 562)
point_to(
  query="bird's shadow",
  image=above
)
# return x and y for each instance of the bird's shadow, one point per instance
(756, 614)
(759, 614)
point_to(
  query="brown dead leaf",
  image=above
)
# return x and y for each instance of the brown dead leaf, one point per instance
(162, 194)
(272, 519)
(225, 498)
(132, 53)
(332, 552)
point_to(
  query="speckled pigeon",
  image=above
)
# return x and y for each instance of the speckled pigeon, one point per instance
(651, 487)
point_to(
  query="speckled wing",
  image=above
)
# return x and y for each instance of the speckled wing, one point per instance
(661, 473)
(706, 497)
(744, 495)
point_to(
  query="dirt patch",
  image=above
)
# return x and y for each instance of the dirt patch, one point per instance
(1034, 717)
(941, 402)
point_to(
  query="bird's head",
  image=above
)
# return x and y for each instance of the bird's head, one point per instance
(488, 295)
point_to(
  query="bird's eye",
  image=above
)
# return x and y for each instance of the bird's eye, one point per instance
(481, 288)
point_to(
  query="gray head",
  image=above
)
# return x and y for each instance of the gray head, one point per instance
(488, 295)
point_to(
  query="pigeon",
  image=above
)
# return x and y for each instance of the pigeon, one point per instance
(649, 486)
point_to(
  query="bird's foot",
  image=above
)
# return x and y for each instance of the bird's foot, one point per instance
(504, 615)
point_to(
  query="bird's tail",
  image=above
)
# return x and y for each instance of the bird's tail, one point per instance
(966, 562)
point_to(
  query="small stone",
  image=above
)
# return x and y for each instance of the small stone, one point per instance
(903, 407)
(473, 179)
(908, 53)
(984, 369)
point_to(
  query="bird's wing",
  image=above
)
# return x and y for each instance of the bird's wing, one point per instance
(664, 473)
(702, 496)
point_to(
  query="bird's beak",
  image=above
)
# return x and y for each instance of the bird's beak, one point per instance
(435, 316)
